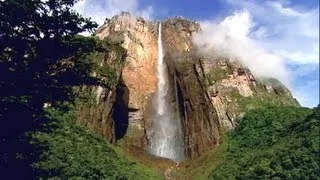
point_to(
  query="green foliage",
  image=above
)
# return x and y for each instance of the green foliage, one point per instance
(39, 43)
(107, 73)
(40, 61)
(217, 74)
(271, 81)
(260, 99)
(200, 168)
(184, 64)
(273, 143)
(73, 152)
(106, 62)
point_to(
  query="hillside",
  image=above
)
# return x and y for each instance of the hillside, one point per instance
(269, 143)
(74, 152)
(273, 143)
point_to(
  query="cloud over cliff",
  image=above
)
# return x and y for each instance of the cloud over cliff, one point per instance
(272, 38)
(98, 10)
(231, 38)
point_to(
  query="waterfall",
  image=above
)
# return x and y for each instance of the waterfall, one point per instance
(162, 77)
(167, 138)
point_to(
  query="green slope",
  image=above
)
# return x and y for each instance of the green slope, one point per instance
(73, 152)
(273, 143)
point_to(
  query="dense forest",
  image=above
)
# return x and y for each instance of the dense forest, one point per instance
(43, 58)
(273, 143)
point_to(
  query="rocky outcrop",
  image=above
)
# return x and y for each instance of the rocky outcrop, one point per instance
(237, 91)
(97, 105)
(139, 38)
(211, 92)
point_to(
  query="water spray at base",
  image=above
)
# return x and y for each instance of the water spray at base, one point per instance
(167, 139)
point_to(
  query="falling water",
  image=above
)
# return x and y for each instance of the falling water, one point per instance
(162, 78)
(167, 139)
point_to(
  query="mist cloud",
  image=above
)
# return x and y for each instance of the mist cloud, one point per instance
(231, 38)
(272, 38)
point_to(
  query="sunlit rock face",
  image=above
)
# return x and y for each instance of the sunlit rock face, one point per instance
(139, 38)
(207, 93)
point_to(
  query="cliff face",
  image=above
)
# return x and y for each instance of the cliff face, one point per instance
(212, 91)
(139, 38)
(200, 120)
(96, 105)
(225, 87)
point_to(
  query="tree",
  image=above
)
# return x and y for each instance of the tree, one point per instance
(39, 62)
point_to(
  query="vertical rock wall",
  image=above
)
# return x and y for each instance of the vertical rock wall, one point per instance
(200, 120)
(96, 104)
(139, 38)
(213, 92)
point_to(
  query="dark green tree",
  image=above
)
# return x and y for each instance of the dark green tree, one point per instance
(39, 62)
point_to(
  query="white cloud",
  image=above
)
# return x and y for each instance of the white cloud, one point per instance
(270, 37)
(283, 10)
(231, 38)
(98, 10)
(291, 33)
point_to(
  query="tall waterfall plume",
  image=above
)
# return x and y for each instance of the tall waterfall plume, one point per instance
(167, 139)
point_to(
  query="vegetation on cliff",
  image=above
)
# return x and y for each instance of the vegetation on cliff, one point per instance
(74, 152)
(217, 74)
(260, 98)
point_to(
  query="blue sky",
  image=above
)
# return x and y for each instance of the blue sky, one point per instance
(284, 34)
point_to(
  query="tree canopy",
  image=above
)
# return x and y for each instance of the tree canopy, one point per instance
(273, 143)
(38, 40)
(40, 52)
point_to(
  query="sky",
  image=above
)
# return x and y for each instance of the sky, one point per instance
(274, 38)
